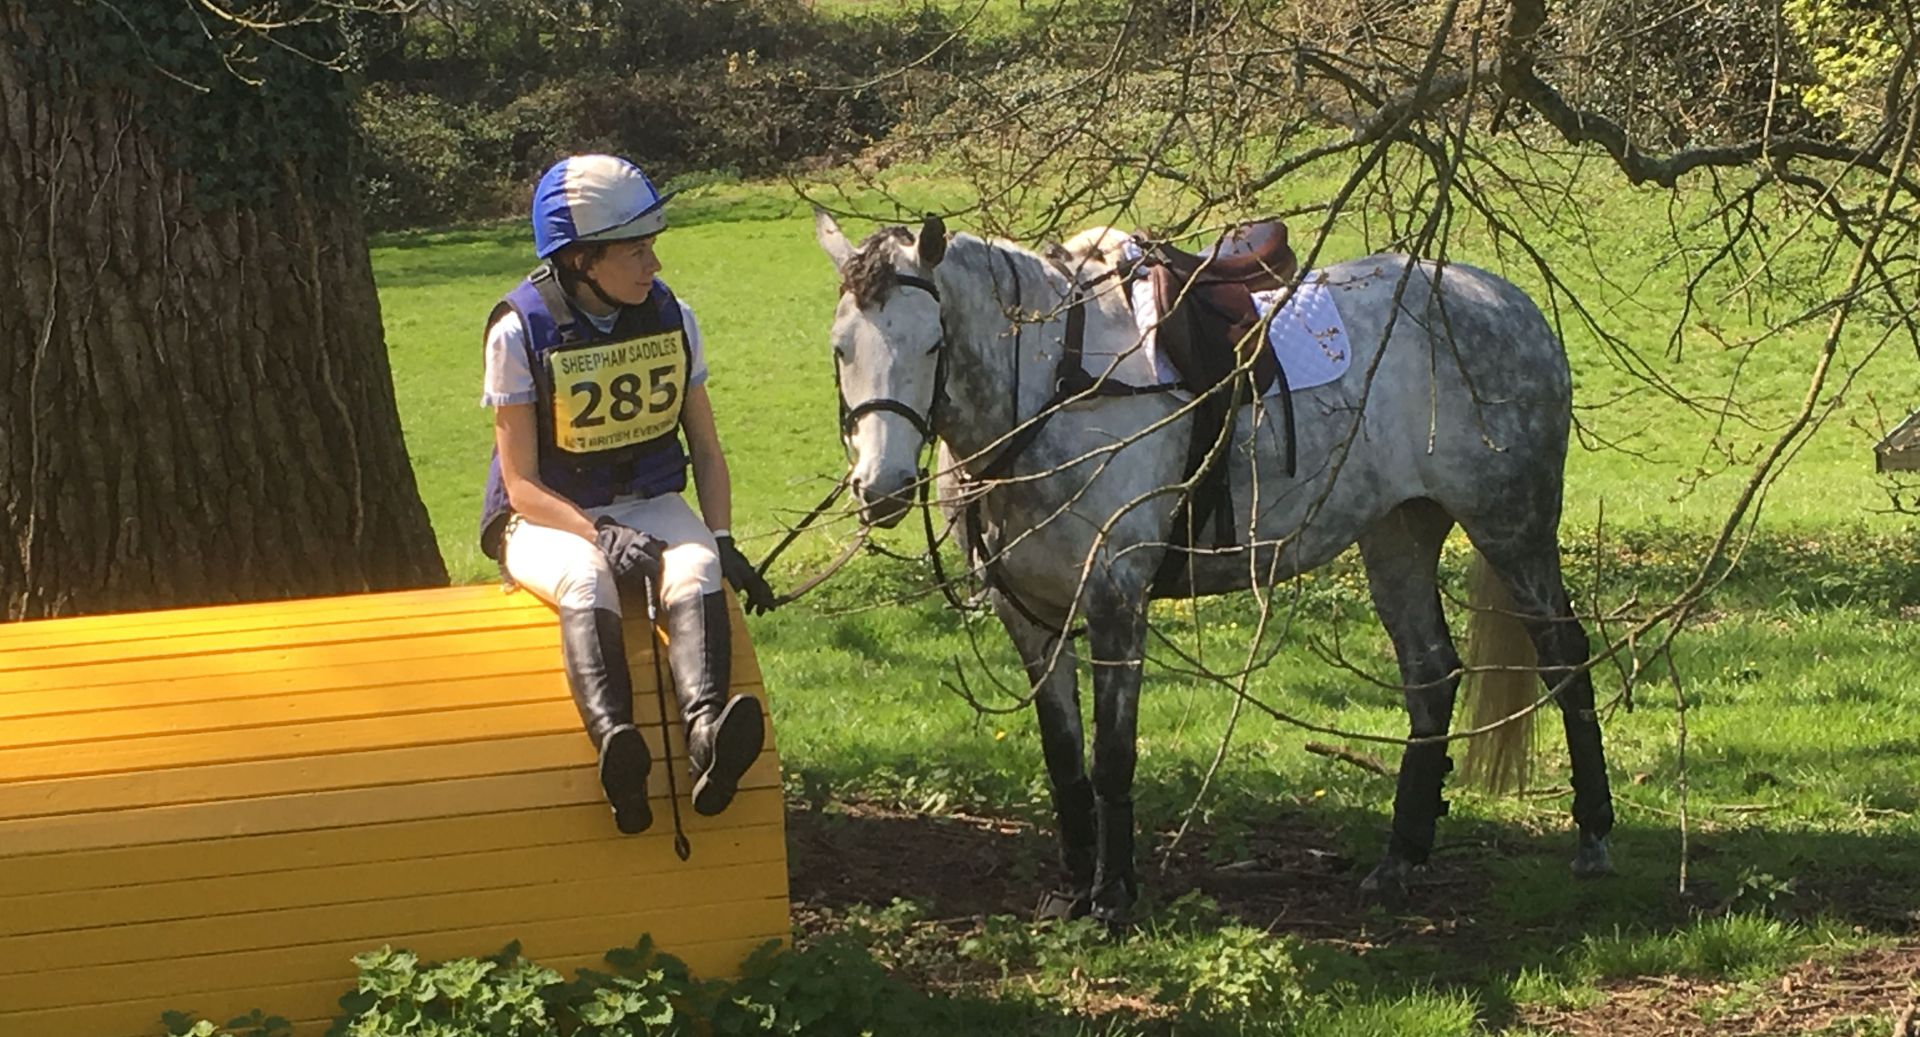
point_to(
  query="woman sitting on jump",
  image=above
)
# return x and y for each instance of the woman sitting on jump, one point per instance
(596, 372)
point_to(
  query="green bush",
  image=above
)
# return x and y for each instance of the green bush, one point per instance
(459, 120)
(1696, 75)
(424, 160)
(1853, 47)
(831, 987)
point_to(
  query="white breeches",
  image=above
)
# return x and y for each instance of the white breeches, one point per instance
(568, 572)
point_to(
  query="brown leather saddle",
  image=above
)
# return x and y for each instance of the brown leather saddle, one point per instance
(1209, 329)
(1208, 324)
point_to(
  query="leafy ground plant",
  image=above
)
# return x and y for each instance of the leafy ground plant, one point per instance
(832, 986)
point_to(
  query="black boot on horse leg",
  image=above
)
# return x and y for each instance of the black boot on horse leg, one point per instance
(1052, 674)
(1417, 808)
(1073, 816)
(1531, 566)
(1529, 562)
(594, 651)
(724, 735)
(1114, 886)
(1563, 650)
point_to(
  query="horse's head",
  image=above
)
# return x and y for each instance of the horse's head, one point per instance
(888, 358)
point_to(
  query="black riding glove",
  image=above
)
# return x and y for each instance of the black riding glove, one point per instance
(745, 579)
(632, 554)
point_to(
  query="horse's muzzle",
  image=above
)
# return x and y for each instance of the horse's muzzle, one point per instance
(882, 510)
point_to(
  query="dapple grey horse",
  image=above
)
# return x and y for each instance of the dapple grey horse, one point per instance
(1455, 411)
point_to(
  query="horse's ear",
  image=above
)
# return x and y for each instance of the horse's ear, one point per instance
(933, 241)
(827, 232)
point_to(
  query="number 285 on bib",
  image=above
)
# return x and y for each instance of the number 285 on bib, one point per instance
(617, 394)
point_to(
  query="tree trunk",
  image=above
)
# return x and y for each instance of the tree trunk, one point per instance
(195, 401)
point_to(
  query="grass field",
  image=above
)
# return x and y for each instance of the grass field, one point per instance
(1803, 786)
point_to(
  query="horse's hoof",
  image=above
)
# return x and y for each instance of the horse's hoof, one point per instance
(1056, 906)
(1593, 860)
(1117, 919)
(1387, 884)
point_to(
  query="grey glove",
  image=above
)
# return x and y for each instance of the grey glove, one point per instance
(734, 567)
(632, 554)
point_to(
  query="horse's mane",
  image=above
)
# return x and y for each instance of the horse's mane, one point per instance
(869, 275)
(988, 258)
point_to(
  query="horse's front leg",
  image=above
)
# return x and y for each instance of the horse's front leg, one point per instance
(1051, 670)
(1116, 635)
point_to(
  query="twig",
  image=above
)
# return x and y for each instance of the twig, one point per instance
(1364, 761)
(1680, 726)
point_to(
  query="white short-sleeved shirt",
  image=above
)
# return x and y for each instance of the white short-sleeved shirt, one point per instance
(509, 380)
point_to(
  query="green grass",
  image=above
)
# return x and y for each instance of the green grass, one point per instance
(1802, 727)
(986, 21)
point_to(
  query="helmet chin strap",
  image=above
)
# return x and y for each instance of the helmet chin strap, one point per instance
(572, 279)
(599, 292)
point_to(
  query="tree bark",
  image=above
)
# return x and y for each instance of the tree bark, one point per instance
(195, 404)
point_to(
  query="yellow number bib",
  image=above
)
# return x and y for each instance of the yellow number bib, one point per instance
(617, 394)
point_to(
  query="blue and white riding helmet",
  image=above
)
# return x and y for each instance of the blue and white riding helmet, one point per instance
(594, 198)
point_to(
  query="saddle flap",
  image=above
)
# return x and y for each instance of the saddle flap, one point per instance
(1207, 329)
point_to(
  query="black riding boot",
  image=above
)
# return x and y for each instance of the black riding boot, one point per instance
(595, 653)
(724, 735)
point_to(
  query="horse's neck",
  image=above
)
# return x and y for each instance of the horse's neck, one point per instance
(1000, 371)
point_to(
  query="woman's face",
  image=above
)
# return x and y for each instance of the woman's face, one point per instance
(625, 270)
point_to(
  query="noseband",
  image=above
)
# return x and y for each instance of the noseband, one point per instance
(922, 423)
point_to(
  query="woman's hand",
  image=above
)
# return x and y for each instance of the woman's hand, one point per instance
(747, 582)
(630, 552)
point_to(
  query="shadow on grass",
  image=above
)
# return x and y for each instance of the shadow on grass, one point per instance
(1495, 902)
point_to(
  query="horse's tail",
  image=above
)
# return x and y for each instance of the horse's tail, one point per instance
(1502, 679)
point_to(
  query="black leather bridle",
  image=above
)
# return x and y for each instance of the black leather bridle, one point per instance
(922, 423)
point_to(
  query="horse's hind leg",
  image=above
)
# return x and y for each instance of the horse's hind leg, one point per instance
(1530, 567)
(1402, 553)
(1050, 667)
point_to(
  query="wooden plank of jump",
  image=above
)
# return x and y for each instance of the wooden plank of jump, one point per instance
(216, 808)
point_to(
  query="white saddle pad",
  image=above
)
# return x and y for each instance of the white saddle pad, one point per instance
(1307, 335)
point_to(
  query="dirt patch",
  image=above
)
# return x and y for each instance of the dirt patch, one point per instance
(1290, 877)
(1873, 992)
(955, 864)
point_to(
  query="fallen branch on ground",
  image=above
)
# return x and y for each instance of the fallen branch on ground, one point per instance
(1364, 761)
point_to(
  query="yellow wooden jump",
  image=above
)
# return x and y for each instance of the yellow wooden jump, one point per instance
(214, 809)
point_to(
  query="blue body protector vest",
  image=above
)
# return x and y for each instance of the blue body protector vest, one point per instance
(607, 403)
